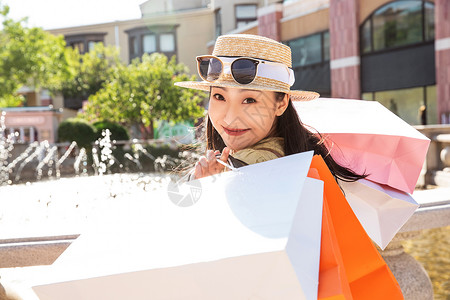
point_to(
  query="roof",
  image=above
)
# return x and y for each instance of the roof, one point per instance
(29, 109)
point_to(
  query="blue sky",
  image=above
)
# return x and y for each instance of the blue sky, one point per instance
(51, 14)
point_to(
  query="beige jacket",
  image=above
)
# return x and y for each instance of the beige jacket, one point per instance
(264, 150)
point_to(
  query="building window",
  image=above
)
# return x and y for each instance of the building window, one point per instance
(245, 13)
(149, 43)
(91, 44)
(310, 50)
(326, 46)
(160, 38)
(366, 37)
(218, 18)
(429, 21)
(134, 46)
(310, 62)
(167, 42)
(78, 45)
(397, 24)
(416, 106)
(84, 42)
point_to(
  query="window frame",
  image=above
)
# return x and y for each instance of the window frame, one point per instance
(85, 39)
(218, 22)
(247, 20)
(426, 100)
(138, 33)
(322, 48)
(386, 49)
(323, 67)
(142, 38)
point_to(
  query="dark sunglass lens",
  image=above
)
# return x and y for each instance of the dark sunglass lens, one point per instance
(210, 68)
(244, 70)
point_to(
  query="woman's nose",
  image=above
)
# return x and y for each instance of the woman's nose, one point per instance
(232, 116)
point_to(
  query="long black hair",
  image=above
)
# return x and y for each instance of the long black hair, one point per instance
(297, 138)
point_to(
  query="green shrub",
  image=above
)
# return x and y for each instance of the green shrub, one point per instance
(118, 132)
(77, 130)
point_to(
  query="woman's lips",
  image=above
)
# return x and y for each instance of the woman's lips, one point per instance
(235, 132)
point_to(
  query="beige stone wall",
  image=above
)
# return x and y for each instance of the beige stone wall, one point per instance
(252, 30)
(227, 9)
(194, 31)
(305, 25)
(152, 7)
(304, 7)
(108, 28)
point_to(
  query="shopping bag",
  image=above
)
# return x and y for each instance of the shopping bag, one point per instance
(250, 234)
(380, 209)
(350, 263)
(367, 138)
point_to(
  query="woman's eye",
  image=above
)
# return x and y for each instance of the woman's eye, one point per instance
(218, 97)
(249, 100)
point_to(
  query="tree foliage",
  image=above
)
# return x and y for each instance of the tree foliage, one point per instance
(29, 56)
(136, 94)
(144, 92)
(91, 70)
(118, 132)
(77, 130)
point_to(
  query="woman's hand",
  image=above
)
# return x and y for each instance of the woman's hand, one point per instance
(208, 165)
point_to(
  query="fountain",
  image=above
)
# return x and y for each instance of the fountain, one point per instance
(40, 160)
(6, 146)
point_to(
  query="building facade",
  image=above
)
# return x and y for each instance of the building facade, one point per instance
(394, 52)
(30, 124)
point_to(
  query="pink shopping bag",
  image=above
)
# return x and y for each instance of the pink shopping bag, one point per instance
(368, 138)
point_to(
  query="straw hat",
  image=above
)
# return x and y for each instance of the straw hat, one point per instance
(246, 45)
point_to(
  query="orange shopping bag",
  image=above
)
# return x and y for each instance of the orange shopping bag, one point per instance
(350, 265)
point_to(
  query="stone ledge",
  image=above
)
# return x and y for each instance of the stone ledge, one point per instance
(434, 210)
(33, 251)
(38, 239)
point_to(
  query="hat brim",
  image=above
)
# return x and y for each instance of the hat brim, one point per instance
(296, 95)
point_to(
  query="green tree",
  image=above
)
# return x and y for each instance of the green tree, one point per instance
(29, 56)
(91, 70)
(143, 92)
(118, 132)
(77, 130)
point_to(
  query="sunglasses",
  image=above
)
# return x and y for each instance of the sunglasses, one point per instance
(242, 69)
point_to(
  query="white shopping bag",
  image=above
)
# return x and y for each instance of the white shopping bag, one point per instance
(380, 209)
(250, 234)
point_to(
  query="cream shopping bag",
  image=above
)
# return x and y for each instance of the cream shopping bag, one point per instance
(250, 234)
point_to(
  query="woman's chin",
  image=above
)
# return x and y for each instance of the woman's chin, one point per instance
(236, 143)
(235, 146)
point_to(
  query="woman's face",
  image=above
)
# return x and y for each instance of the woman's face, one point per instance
(243, 117)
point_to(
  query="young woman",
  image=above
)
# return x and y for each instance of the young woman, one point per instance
(251, 118)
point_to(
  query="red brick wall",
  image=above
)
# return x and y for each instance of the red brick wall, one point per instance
(269, 25)
(442, 18)
(345, 83)
(344, 43)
